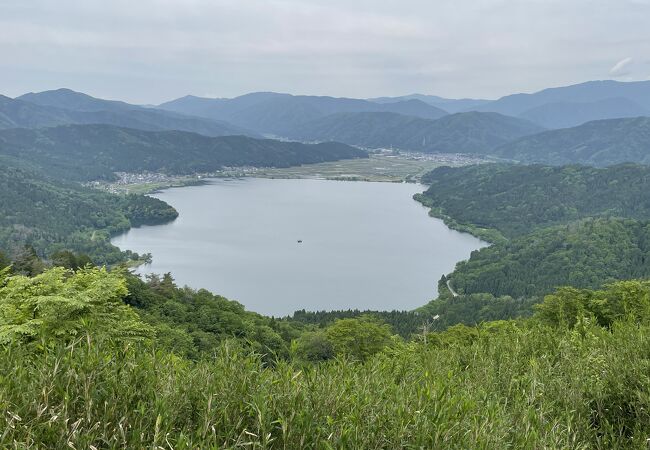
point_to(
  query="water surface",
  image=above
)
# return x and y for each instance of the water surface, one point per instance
(364, 245)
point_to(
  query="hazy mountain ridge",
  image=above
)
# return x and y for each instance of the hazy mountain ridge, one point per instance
(451, 105)
(63, 107)
(88, 152)
(283, 114)
(471, 132)
(599, 143)
(590, 91)
(567, 114)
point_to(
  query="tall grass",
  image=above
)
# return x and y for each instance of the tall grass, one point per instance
(509, 387)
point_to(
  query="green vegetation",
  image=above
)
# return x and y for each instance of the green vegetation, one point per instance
(192, 323)
(471, 132)
(551, 227)
(515, 200)
(93, 152)
(588, 253)
(573, 376)
(539, 345)
(51, 216)
(598, 143)
(58, 306)
(404, 323)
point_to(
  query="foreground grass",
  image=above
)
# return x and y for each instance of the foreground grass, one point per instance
(504, 385)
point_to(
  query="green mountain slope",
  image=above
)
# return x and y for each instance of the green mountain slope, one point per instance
(515, 199)
(472, 132)
(51, 215)
(584, 254)
(88, 152)
(63, 106)
(598, 143)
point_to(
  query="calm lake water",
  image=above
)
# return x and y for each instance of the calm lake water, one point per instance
(364, 245)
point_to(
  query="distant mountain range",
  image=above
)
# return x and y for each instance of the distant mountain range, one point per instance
(450, 105)
(470, 132)
(598, 143)
(90, 152)
(63, 107)
(284, 114)
(574, 105)
(509, 127)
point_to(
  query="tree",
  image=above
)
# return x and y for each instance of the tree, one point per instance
(61, 304)
(313, 347)
(359, 338)
(27, 262)
(68, 260)
(4, 260)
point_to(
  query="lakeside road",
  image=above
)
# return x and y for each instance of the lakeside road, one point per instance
(454, 293)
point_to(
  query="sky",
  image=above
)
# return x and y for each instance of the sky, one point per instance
(151, 51)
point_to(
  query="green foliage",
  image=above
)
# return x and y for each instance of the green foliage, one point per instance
(624, 300)
(499, 385)
(52, 216)
(60, 305)
(27, 262)
(474, 309)
(68, 260)
(359, 338)
(92, 152)
(574, 376)
(598, 143)
(514, 200)
(585, 254)
(192, 323)
(4, 260)
(469, 132)
(314, 346)
(403, 323)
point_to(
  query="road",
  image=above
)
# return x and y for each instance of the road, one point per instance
(454, 293)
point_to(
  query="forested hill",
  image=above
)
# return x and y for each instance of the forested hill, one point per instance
(597, 143)
(515, 199)
(471, 132)
(49, 215)
(61, 107)
(88, 152)
(583, 254)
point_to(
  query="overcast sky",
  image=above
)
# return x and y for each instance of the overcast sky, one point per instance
(149, 51)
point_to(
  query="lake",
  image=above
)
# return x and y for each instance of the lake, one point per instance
(364, 245)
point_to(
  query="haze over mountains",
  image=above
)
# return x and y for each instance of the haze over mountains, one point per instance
(282, 114)
(512, 127)
(63, 107)
(597, 143)
(604, 99)
(470, 132)
(450, 105)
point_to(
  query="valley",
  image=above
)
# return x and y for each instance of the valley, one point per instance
(170, 277)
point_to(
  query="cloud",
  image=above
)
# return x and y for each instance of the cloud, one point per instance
(621, 68)
(148, 51)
